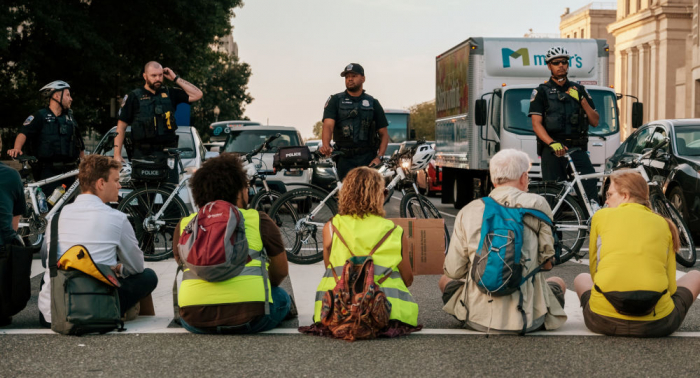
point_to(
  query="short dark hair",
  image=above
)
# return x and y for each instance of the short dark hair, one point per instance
(152, 63)
(93, 168)
(220, 178)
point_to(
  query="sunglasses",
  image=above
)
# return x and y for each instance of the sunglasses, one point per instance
(559, 62)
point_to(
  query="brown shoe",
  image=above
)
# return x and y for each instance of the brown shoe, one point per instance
(132, 313)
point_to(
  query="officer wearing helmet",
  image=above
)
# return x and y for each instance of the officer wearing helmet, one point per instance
(53, 136)
(561, 112)
(357, 123)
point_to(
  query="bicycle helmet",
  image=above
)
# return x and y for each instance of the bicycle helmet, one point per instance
(54, 86)
(424, 154)
(125, 174)
(250, 171)
(556, 52)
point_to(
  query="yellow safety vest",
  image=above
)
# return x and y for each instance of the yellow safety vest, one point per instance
(249, 286)
(362, 235)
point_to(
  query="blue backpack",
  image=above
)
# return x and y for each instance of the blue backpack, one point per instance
(497, 268)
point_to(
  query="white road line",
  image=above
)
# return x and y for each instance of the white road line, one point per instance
(37, 269)
(305, 280)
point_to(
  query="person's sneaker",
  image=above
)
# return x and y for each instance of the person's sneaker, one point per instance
(293, 313)
(132, 313)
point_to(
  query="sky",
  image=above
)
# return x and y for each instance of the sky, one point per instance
(297, 48)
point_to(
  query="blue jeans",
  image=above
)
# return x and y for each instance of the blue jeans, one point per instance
(278, 311)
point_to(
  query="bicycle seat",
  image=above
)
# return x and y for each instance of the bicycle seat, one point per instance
(178, 151)
(25, 158)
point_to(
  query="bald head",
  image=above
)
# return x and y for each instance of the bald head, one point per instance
(153, 75)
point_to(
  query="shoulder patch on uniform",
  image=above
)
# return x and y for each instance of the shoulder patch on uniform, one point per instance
(28, 120)
(533, 95)
(124, 100)
(327, 101)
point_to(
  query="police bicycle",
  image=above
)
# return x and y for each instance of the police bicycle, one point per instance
(572, 223)
(32, 224)
(302, 213)
(262, 197)
(154, 207)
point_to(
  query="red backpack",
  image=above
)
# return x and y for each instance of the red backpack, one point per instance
(356, 308)
(214, 245)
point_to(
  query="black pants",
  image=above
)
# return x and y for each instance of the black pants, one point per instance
(136, 287)
(556, 169)
(346, 164)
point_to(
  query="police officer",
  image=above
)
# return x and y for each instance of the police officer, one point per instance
(561, 112)
(357, 122)
(150, 111)
(53, 137)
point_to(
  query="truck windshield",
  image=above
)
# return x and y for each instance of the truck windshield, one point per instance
(398, 127)
(517, 105)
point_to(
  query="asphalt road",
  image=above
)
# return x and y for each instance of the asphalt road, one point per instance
(437, 351)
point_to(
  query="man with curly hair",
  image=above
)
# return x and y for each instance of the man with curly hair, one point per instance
(236, 305)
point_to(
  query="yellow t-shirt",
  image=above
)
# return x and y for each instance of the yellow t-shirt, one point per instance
(631, 248)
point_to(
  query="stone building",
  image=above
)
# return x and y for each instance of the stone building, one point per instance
(591, 21)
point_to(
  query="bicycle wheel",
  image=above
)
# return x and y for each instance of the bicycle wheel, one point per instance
(416, 206)
(569, 220)
(263, 200)
(303, 237)
(686, 255)
(140, 206)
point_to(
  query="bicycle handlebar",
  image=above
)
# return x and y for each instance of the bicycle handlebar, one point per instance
(264, 145)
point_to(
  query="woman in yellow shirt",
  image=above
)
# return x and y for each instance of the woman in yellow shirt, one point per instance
(632, 288)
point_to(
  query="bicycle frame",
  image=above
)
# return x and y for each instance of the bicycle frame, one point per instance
(318, 208)
(30, 190)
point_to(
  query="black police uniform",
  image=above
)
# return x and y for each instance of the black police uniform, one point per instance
(152, 120)
(56, 142)
(566, 122)
(357, 121)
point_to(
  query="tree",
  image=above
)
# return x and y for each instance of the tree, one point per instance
(318, 129)
(423, 119)
(100, 48)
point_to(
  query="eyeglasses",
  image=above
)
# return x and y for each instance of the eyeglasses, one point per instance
(559, 62)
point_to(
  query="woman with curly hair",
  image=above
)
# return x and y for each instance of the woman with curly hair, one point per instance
(357, 229)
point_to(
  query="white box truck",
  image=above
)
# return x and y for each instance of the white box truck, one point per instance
(503, 72)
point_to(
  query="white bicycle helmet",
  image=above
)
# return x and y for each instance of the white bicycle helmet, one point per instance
(125, 174)
(556, 52)
(54, 86)
(250, 170)
(424, 154)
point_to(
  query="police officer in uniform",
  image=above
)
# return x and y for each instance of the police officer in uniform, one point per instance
(561, 112)
(150, 111)
(357, 122)
(53, 136)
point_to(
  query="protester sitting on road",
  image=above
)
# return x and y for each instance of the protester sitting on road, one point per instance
(361, 225)
(105, 232)
(632, 288)
(235, 305)
(543, 300)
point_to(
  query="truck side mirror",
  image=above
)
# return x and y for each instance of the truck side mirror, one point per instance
(480, 112)
(412, 134)
(637, 114)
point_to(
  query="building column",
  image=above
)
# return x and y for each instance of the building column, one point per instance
(632, 86)
(621, 87)
(651, 105)
(643, 75)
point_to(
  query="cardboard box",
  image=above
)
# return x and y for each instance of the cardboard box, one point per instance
(426, 244)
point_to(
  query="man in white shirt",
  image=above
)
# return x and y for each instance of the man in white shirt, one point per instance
(105, 232)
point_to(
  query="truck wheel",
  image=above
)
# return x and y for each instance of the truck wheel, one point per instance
(462, 191)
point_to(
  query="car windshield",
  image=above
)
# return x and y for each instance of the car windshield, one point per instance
(313, 143)
(185, 140)
(688, 140)
(517, 107)
(391, 148)
(244, 141)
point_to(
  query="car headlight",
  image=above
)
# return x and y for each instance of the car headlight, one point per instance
(406, 163)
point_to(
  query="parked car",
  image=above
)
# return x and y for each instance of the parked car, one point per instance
(678, 162)
(429, 180)
(244, 139)
(188, 137)
(390, 149)
(313, 144)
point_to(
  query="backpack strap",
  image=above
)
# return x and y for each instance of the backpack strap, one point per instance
(340, 236)
(386, 236)
(53, 248)
(176, 305)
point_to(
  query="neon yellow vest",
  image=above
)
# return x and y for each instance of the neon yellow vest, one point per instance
(361, 236)
(247, 287)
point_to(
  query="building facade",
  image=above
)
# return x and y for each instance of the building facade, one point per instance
(591, 21)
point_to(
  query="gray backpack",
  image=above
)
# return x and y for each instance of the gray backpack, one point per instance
(84, 297)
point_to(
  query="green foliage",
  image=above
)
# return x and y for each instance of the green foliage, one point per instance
(423, 120)
(100, 47)
(318, 129)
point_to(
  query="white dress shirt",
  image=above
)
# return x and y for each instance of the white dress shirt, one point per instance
(105, 232)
